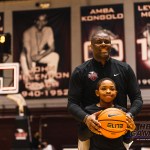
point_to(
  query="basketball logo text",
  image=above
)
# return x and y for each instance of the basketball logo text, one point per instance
(112, 125)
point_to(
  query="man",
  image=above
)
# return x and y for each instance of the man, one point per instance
(38, 47)
(85, 77)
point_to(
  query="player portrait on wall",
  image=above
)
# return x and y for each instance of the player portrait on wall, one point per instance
(142, 42)
(43, 55)
(109, 18)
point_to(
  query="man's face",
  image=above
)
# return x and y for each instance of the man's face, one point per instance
(41, 22)
(101, 45)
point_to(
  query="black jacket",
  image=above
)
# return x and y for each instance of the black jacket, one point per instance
(83, 84)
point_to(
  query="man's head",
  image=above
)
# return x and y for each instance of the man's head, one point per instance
(41, 21)
(101, 45)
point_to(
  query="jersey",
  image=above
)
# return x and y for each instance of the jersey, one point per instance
(83, 84)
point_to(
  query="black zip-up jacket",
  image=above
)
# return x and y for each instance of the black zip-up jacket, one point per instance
(83, 84)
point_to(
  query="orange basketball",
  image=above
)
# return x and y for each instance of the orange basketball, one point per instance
(113, 123)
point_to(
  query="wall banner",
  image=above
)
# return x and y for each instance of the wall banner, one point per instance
(42, 46)
(1, 22)
(106, 17)
(142, 42)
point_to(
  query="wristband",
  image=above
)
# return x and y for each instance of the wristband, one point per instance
(130, 114)
(85, 118)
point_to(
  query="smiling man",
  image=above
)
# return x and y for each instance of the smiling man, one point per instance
(83, 83)
(101, 45)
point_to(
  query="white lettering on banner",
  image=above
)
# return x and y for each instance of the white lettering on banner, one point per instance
(38, 93)
(102, 17)
(39, 76)
(42, 69)
(144, 8)
(145, 14)
(86, 49)
(102, 10)
(144, 50)
(118, 45)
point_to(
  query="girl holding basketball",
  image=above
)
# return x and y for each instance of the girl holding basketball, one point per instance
(106, 91)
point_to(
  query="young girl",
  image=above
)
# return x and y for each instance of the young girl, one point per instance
(107, 92)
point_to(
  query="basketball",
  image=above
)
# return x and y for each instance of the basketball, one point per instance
(113, 123)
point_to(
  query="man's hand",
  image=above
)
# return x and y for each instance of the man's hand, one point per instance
(130, 123)
(93, 123)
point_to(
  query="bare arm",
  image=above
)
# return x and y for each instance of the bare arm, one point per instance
(27, 48)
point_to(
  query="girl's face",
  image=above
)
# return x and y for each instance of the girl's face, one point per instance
(107, 91)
